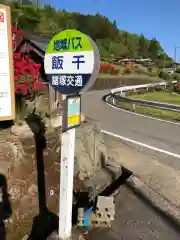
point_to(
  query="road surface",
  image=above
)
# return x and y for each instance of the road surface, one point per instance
(159, 134)
(135, 220)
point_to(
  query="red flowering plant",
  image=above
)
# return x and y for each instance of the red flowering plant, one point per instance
(108, 68)
(176, 88)
(26, 74)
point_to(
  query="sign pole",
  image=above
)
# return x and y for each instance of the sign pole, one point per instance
(71, 117)
(71, 63)
(66, 183)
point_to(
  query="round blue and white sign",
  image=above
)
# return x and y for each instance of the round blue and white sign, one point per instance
(71, 62)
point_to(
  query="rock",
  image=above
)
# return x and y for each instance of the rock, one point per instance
(90, 149)
(15, 192)
(27, 204)
(82, 175)
(4, 167)
(53, 236)
(6, 158)
(22, 130)
(33, 190)
(25, 237)
(92, 164)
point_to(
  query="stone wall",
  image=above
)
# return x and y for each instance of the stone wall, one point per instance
(109, 83)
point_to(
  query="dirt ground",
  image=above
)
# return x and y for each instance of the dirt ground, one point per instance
(21, 176)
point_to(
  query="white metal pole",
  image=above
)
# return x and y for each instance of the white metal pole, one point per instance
(66, 183)
(94, 166)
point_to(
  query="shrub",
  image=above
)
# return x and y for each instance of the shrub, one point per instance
(176, 76)
(178, 70)
(158, 88)
(115, 71)
(164, 75)
(127, 70)
(152, 74)
(26, 75)
(108, 68)
(149, 69)
(176, 88)
(139, 71)
(104, 68)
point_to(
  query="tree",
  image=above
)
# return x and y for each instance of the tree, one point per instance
(153, 49)
(48, 21)
(114, 24)
(125, 37)
(142, 47)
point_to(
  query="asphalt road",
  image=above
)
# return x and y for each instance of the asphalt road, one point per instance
(155, 133)
(136, 219)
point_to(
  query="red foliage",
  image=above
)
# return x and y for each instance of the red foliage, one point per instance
(26, 72)
(16, 34)
(108, 68)
(177, 88)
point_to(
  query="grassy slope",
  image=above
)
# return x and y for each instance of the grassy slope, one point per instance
(154, 112)
(165, 97)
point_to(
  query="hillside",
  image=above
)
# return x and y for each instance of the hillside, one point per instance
(112, 42)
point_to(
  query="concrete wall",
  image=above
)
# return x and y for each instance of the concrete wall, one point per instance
(109, 83)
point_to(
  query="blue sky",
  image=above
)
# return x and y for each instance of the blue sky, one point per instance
(153, 18)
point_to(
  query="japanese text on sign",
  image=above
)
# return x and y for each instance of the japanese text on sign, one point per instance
(58, 61)
(67, 80)
(66, 43)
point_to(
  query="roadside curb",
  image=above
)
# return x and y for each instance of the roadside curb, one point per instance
(155, 200)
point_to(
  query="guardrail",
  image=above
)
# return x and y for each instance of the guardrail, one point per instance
(163, 106)
(116, 95)
(139, 87)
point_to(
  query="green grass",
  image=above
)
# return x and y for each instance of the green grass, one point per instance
(154, 112)
(165, 97)
(132, 75)
(108, 76)
(158, 96)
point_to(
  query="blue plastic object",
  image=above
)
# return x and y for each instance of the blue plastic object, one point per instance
(86, 216)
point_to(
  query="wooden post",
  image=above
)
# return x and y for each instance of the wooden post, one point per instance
(51, 102)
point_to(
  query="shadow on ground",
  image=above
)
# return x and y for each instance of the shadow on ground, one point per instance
(5, 206)
(109, 171)
(6, 124)
(171, 221)
(45, 222)
(82, 199)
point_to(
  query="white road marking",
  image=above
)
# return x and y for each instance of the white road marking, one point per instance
(142, 144)
(141, 115)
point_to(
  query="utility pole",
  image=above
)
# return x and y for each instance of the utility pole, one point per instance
(175, 59)
(175, 56)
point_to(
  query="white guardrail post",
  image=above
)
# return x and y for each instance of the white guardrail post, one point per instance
(134, 88)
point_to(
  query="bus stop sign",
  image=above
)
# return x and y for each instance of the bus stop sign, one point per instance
(71, 62)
